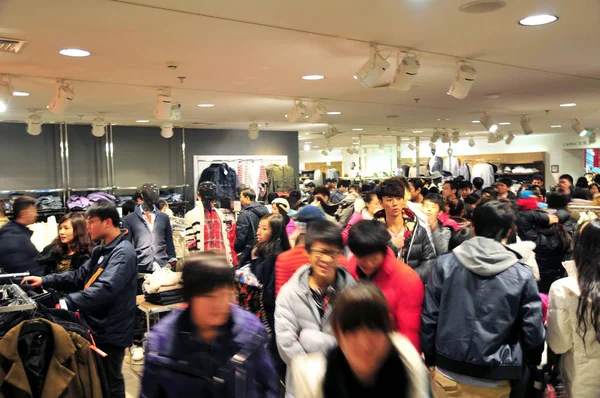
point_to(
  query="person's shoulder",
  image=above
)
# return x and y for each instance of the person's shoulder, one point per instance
(247, 328)
(565, 287)
(164, 330)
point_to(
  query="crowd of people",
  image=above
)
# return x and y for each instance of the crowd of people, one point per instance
(447, 289)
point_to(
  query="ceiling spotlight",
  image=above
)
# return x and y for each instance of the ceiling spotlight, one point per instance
(578, 128)
(432, 145)
(166, 129)
(436, 135)
(465, 76)
(98, 127)
(487, 122)
(536, 20)
(411, 147)
(381, 148)
(526, 125)
(162, 110)
(445, 137)
(5, 94)
(495, 137)
(253, 131)
(455, 136)
(331, 131)
(471, 142)
(63, 95)
(324, 152)
(406, 72)
(307, 147)
(510, 138)
(319, 110)
(592, 139)
(373, 68)
(297, 112)
(34, 124)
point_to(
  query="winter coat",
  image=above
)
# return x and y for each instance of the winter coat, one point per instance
(246, 226)
(309, 371)
(17, 252)
(224, 177)
(104, 289)
(55, 262)
(441, 238)
(346, 209)
(580, 362)
(281, 177)
(237, 365)
(482, 315)
(356, 217)
(299, 328)
(153, 245)
(404, 292)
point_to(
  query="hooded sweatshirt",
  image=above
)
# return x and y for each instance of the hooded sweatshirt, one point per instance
(485, 256)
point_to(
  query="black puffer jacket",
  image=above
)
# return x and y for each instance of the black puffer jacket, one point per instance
(245, 230)
(55, 262)
(17, 253)
(482, 314)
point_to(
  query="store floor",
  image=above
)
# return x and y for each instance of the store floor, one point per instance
(132, 380)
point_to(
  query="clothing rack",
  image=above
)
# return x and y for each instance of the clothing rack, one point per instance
(21, 301)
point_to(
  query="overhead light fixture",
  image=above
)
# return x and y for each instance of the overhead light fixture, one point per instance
(253, 131)
(307, 147)
(162, 110)
(297, 112)
(373, 68)
(381, 148)
(536, 20)
(324, 152)
(455, 136)
(142, 121)
(592, 138)
(417, 131)
(331, 131)
(357, 129)
(98, 125)
(526, 125)
(334, 113)
(475, 121)
(74, 52)
(313, 77)
(436, 135)
(504, 123)
(205, 105)
(319, 110)
(471, 142)
(5, 95)
(509, 139)
(568, 105)
(63, 95)
(411, 147)
(465, 76)
(406, 72)
(556, 126)
(578, 128)
(487, 122)
(432, 145)
(166, 129)
(34, 124)
(445, 137)
(20, 94)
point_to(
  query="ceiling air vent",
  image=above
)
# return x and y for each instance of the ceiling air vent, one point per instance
(12, 45)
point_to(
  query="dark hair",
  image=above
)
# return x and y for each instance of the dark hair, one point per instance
(391, 188)
(434, 189)
(456, 208)
(137, 196)
(2, 208)
(597, 179)
(353, 187)
(582, 182)
(249, 193)
(472, 199)
(459, 237)
(128, 207)
(344, 183)
(104, 210)
(369, 197)
(489, 191)
(453, 185)
(321, 190)
(536, 189)
(22, 203)
(586, 256)
(593, 184)
(162, 203)
(361, 306)
(435, 198)
(537, 177)
(566, 177)
(283, 212)
(506, 181)
(478, 182)
(325, 232)
(493, 219)
(557, 200)
(465, 185)
(368, 237)
(81, 239)
(310, 184)
(417, 183)
(205, 272)
(278, 242)
(581, 193)
(272, 196)
(293, 198)
(328, 181)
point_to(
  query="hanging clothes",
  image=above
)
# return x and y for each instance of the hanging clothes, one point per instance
(412, 172)
(281, 177)
(224, 177)
(435, 164)
(333, 174)
(318, 177)
(465, 171)
(486, 172)
(452, 166)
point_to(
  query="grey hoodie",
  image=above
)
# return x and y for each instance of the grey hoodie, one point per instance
(485, 256)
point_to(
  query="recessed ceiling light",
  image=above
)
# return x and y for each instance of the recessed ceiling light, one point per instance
(20, 94)
(417, 131)
(259, 125)
(556, 126)
(568, 105)
(439, 120)
(285, 115)
(355, 138)
(475, 121)
(536, 20)
(357, 129)
(468, 134)
(405, 139)
(313, 77)
(315, 147)
(355, 77)
(334, 113)
(74, 52)
(493, 96)
(206, 105)
(142, 121)
(504, 123)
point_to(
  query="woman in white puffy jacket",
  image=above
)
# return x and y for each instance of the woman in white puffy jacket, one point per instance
(574, 317)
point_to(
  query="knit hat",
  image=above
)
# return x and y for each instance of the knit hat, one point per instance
(283, 203)
(307, 215)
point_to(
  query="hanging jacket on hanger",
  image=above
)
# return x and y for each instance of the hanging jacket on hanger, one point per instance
(224, 177)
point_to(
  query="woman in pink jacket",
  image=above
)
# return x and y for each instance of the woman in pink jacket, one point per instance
(372, 206)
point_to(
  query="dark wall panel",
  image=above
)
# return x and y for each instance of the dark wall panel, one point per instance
(87, 158)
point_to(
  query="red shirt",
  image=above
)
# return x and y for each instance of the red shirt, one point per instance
(213, 234)
(288, 262)
(404, 291)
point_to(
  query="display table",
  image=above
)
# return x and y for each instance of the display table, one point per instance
(152, 309)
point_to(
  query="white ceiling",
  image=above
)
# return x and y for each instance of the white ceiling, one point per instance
(247, 58)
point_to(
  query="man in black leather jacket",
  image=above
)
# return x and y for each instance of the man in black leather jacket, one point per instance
(482, 315)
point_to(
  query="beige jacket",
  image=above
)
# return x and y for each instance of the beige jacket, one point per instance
(309, 371)
(579, 365)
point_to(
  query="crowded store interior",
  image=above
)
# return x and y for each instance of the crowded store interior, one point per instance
(318, 199)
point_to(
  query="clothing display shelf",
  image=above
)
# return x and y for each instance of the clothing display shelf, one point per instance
(20, 299)
(503, 171)
(43, 214)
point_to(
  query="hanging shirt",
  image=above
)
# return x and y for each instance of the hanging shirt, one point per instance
(213, 239)
(486, 172)
(465, 171)
(453, 167)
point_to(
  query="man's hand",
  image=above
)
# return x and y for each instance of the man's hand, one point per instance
(34, 281)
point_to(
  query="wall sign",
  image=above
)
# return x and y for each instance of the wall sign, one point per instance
(554, 168)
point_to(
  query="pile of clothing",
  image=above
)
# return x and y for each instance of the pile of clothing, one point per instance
(49, 203)
(163, 287)
(77, 202)
(122, 199)
(172, 197)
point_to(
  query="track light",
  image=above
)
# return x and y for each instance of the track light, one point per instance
(445, 137)
(465, 76)
(578, 128)
(455, 136)
(298, 111)
(406, 72)
(162, 110)
(509, 139)
(331, 131)
(5, 95)
(63, 95)
(487, 122)
(166, 129)
(381, 148)
(352, 151)
(98, 127)
(373, 68)
(411, 147)
(471, 142)
(324, 152)
(592, 139)
(319, 110)
(34, 124)
(432, 145)
(253, 131)
(526, 125)
(495, 137)
(436, 135)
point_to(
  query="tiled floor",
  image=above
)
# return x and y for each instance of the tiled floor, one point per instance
(132, 380)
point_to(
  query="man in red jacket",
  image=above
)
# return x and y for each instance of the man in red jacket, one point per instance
(374, 261)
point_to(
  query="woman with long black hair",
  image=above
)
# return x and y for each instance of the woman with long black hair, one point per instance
(574, 316)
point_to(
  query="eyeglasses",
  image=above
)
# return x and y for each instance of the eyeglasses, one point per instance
(333, 254)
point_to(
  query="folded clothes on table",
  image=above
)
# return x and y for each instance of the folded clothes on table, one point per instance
(165, 298)
(49, 202)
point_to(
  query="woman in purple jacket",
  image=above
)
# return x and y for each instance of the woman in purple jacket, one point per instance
(212, 348)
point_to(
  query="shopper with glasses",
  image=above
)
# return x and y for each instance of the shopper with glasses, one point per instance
(305, 303)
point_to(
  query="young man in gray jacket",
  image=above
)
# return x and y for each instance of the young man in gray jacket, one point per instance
(305, 303)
